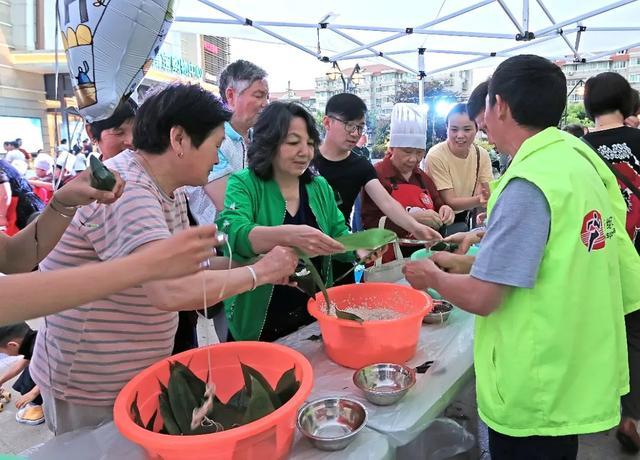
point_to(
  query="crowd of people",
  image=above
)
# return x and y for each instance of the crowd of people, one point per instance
(554, 284)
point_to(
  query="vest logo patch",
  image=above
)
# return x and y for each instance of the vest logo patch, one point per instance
(426, 200)
(592, 233)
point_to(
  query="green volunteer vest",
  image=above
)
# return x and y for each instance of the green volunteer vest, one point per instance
(552, 360)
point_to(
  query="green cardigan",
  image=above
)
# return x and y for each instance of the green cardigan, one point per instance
(251, 202)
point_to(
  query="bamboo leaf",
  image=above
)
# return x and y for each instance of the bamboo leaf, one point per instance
(287, 386)
(260, 403)
(152, 421)
(227, 415)
(249, 372)
(170, 424)
(135, 412)
(346, 315)
(182, 400)
(371, 239)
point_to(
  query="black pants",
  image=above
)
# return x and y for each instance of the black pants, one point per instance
(24, 384)
(503, 447)
(631, 401)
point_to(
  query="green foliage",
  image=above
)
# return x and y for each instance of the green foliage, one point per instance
(576, 114)
(378, 151)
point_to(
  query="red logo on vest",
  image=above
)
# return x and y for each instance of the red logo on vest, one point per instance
(592, 233)
(426, 200)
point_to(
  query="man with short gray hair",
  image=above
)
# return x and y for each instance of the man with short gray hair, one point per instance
(244, 88)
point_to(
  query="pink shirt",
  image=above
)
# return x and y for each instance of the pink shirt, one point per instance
(94, 350)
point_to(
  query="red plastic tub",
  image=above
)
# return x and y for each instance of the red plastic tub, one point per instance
(270, 437)
(352, 344)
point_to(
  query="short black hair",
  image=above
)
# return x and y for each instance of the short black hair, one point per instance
(346, 106)
(238, 71)
(15, 144)
(575, 129)
(192, 107)
(459, 109)
(534, 88)
(606, 93)
(63, 141)
(270, 131)
(125, 111)
(478, 99)
(13, 331)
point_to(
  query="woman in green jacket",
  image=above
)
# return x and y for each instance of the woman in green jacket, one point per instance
(278, 201)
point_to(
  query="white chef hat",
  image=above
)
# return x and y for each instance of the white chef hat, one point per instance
(408, 126)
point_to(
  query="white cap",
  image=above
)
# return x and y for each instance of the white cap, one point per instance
(408, 126)
(43, 161)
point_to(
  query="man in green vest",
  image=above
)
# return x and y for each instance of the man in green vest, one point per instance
(552, 281)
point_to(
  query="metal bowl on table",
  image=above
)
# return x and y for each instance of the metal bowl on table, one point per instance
(440, 313)
(331, 423)
(385, 383)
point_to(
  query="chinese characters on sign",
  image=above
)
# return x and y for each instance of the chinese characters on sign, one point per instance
(177, 66)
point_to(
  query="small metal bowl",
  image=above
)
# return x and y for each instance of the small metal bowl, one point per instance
(386, 383)
(440, 313)
(331, 423)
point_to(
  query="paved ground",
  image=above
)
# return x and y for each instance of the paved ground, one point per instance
(16, 438)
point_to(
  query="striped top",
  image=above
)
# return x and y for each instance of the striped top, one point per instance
(94, 350)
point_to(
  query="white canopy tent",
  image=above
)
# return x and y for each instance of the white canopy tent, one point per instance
(424, 37)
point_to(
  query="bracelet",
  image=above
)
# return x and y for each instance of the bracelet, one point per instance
(254, 277)
(59, 211)
(62, 205)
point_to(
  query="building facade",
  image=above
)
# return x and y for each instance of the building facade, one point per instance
(379, 84)
(626, 63)
(29, 107)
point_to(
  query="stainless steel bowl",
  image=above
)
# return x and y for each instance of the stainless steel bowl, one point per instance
(440, 313)
(386, 383)
(331, 423)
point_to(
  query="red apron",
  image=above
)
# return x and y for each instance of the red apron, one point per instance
(409, 196)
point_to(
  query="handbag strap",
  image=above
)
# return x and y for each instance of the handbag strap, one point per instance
(621, 177)
(475, 185)
(396, 246)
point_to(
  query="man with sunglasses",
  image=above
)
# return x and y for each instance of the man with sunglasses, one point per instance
(348, 173)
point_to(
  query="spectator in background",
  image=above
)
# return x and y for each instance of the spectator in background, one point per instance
(13, 154)
(460, 169)
(27, 155)
(575, 129)
(114, 134)
(348, 173)
(402, 178)
(44, 172)
(608, 101)
(87, 147)
(12, 184)
(80, 162)
(361, 147)
(19, 339)
(245, 91)
(64, 146)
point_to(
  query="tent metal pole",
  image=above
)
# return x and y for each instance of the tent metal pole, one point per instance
(354, 40)
(502, 53)
(511, 16)
(429, 50)
(422, 26)
(208, 20)
(260, 28)
(425, 31)
(525, 16)
(573, 49)
(591, 14)
(613, 29)
(614, 51)
(421, 76)
(577, 45)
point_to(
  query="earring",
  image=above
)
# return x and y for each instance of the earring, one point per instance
(180, 154)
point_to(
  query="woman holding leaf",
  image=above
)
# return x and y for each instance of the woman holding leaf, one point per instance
(279, 201)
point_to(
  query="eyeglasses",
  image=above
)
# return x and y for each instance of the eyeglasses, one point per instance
(349, 126)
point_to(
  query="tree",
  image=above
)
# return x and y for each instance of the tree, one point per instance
(576, 114)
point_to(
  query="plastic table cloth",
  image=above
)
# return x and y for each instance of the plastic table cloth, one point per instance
(449, 345)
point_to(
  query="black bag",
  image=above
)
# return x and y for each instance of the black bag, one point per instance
(28, 205)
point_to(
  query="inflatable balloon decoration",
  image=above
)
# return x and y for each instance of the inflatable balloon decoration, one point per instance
(110, 46)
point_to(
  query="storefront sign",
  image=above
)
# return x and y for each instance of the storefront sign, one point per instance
(210, 47)
(177, 66)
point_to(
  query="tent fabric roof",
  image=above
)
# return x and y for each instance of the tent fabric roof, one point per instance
(454, 34)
